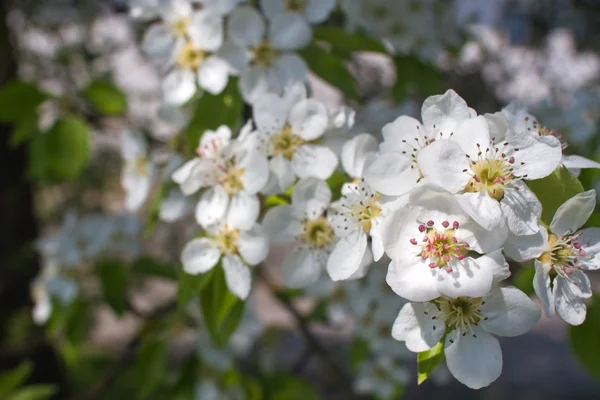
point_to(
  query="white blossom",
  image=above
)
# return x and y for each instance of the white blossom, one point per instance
(313, 11)
(236, 248)
(473, 355)
(138, 172)
(264, 59)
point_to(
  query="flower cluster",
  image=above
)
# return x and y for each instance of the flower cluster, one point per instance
(444, 198)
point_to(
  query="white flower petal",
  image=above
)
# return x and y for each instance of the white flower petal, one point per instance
(573, 213)
(237, 276)
(290, 69)
(400, 134)
(253, 245)
(473, 136)
(133, 145)
(543, 287)
(256, 171)
(309, 119)
(243, 210)
(522, 209)
(179, 86)
(282, 224)
(318, 11)
(314, 161)
(253, 82)
(498, 126)
(213, 75)
(212, 206)
(496, 263)
(312, 195)
(590, 243)
(301, 268)
(509, 312)
(475, 360)
(483, 209)
(199, 256)
(346, 257)
(355, 151)
(137, 186)
(269, 113)
(245, 27)
(174, 206)
(159, 42)
(272, 8)
(289, 31)
(538, 155)
(445, 164)
(569, 294)
(193, 175)
(572, 161)
(206, 30)
(445, 112)
(392, 174)
(526, 247)
(417, 326)
(281, 175)
(414, 282)
(235, 56)
(467, 278)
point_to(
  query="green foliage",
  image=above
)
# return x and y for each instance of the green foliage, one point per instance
(428, 360)
(554, 190)
(523, 279)
(415, 76)
(335, 183)
(62, 152)
(288, 387)
(154, 213)
(213, 111)
(150, 367)
(344, 43)
(11, 380)
(71, 321)
(222, 311)
(585, 341)
(275, 200)
(152, 267)
(330, 68)
(106, 97)
(19, 100)
(189, 286)
(34, 392)
(359, 351)
(113, 277)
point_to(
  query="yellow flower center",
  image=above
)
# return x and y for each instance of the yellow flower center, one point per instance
(318, 233)
(263, 55)
(490, 175)
(365, 211)
(461, 313)
(226, 239)
(229, 176)
(180, 26)
(190, 57)
(563, 255)
(140, 165)
(295, 5)
(285, 143)
(440, 247)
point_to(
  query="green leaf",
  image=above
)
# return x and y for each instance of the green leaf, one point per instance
(554, 190)
(35, 392)
(62, 152)
(11, 380)
(344, 42)
(150, 367)
(335, 183)
(331, 69)
(152, 267)
(252, 388)
(154, 213)
(287, 387)
(428, 360)
(113, 278)
(19, 100)
(523, 279)
(106, 97)
(415, 76)
(276, 200)
(25, 129)
(213, 111)
(190, 286)
(585, 339)
(359, 351)
(222, 311)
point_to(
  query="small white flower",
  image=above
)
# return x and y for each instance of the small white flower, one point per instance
(303, 221)
(289, 129)
(264, 60)
(396, 170)
(223, 7)
(357, 153)
(381, 376)
(484, 164)
(561, 255)
(520, 121)
(138, 171)
(431, 242)
(234, 172)
(313, 11)
(236, 248)
(473, 355)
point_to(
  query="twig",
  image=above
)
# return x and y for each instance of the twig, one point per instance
(312, 342)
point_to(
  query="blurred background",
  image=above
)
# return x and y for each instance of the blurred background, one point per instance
(73, 76)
